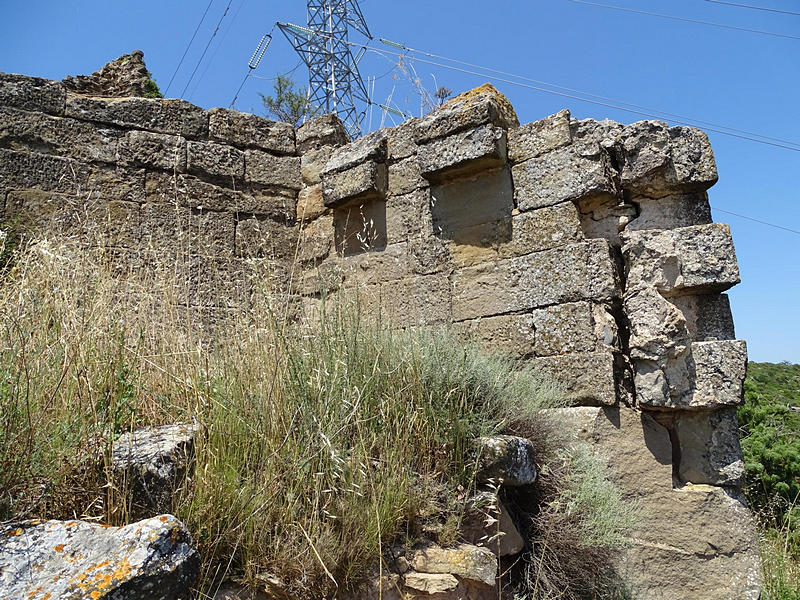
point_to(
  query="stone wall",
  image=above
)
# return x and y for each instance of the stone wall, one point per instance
(585, 247)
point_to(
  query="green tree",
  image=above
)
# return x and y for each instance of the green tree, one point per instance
(288, 104)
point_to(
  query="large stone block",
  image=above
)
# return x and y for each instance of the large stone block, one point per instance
(709, 447)
(561, 176)
(278, 171)
(671, 212)
(420, 300)
(174, 229)
(261, 237)
(32, 93)
(483, 105)
(171, 116)
(564, 274)
(317, 240)
(405, 176)
(708, 316)
(21, 130)
(586, 379)
(250, 131)
(21, 170)
(313, 162)
(120, 183)
(215, 160)
(463, 560)
(72, 560)
(325, 130)
(540, 137)
(689, 260)
(407, 215)
(364, 182)
(464, 154)
(154, 150)
(310, 204)
(370, 148)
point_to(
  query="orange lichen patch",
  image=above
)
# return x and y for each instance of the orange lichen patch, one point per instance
(95, 595)
(34, 592)
(46, 596)
(164, 518)
(14, 532)
(58, 547)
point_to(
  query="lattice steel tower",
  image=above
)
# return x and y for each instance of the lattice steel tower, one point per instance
(334, 82)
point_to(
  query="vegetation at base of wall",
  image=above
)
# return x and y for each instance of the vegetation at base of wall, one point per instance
(770, 423)
(325, 444)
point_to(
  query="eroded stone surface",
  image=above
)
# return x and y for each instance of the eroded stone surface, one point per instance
(74, 560)
(506, 459)
(463, 560)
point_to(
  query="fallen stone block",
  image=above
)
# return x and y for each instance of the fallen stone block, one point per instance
(170, 116)
(279, 171)
(71, 560)
(506, 460)
(32, 93)
(215, 160)
(250, 131)
(709, 446)
(689, 260)
(540, 137)
(153, 150)
(321, 131)
(362, 183)
(151, 465)
(483, 105)
(463, 154)
(465, 561)
(430, 583)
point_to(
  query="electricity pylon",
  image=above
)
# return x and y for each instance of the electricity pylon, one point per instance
(334, 82)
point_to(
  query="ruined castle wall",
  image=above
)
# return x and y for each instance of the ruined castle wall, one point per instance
(584, 247)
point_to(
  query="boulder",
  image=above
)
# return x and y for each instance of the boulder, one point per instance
(75, 560)
(506, 459)
(463, 560)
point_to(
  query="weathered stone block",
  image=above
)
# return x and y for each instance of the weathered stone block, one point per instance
(420, 300)
(543, 229)
(561, 176)
(689, 260)
(310, 204)
(32, 93)
(370, 148)
(171, 116)
(316, 240)
(587, 379)
(720, 369)
(463, 560)
(401, 140)
(670, 212)
(368, 268)
(604, 216)
(325, 130)
(250, 131)
(36, 132)
(406, 215)
(215, 160)
(708, 316)
(540, 137)
(483, 105)
(21, 170)
(69, 560)
(506, 460)
(154, 150)
(564, 274)
(364, 182)
(263, 168)
(459, 205)
(37, 211)
(313, 162)
(261, 237)
(124, 184)
(405, 177)
(463, 154)
(501, 536)
(709, 446)
(169, 228)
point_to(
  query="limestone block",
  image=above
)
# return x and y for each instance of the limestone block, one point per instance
(263, 168)
(21, 130)
(405, 176)
(658, 161)
(708, 316)
(390, 264)
(108, 183)
(401, 140)
(21, 170)
(558, 329)
(483, 105)
(564, 274)
(261, 237)
(594, 138)
(537, 138)
(604, 216)
(313, 162)
(406, 215)
(215, 160)
(688, 260)
(543, 229)
(363, 182)
(310, 204)
(696, 542)
(325, 130)
(170, 116)
(151, 465)
(187, 190)
(561, 176)
(463, 560)
(370, 148)
(486, 522)
(720, 370)
(73, 560)
(709, 446)
(250, 131)
(154, 150)
(657, 328)
(120, 226)
(32, 93)
(168, 228)
(586, 379)
(420, 300)
(463, 154)
(506, 459)
(670, 212)
(316, 240)
(430, 583)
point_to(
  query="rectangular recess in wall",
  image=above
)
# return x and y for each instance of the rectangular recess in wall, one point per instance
(360, 228)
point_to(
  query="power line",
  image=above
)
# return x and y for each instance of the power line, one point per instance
(687, 20)
(774, 10)
(794, 147)
(795, 231)
(188, 46)
(202, 56)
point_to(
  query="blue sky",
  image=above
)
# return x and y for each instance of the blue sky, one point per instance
(733, 78)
